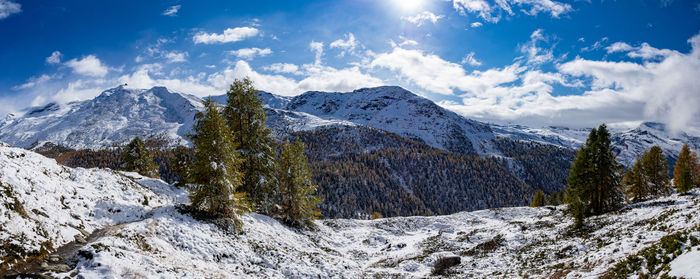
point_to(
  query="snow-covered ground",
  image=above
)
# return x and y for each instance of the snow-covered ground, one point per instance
(161, 242)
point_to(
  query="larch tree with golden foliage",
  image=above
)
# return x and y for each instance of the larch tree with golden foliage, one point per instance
(538, 199)
(687, 162)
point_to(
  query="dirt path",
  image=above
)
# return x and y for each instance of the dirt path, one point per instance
(65, 257)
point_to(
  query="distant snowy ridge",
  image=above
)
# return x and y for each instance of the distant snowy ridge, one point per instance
(119, 114)
(503, 242)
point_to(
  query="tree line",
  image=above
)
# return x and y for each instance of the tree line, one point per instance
(598, 184)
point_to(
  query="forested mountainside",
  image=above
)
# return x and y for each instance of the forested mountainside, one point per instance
(361, 170)
(94, 223)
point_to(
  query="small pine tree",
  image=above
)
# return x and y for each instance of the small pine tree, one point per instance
(655, 170)
(686, 160)
(538, 199)
(636, 183)
(180, 163)
(136, 158)
(246, 118)
(685, 181)
(556, 198)
(298, 204)
(215, 174)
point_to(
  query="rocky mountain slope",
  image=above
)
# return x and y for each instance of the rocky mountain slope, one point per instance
(51, 205)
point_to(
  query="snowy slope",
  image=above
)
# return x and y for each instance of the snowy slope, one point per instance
(44, 204)
(158, 241)
(114, 117)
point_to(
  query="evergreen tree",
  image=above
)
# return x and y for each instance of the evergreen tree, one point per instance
(136, 158)
(298, 205)
(685, 181)
(686, 160)
(594, 179)
(181, 162)
(556, 198)
(636, 182)
(538, 199)
(655, 170)
(215, 174)
(246, 118)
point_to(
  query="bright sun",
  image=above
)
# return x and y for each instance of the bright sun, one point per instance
(409, 5)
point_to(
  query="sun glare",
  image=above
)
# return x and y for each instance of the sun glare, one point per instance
(409, 5)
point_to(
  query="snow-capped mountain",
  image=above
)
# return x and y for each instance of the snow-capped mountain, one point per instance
(94, 223)
(114, 117)
(399, 111)
(629, 144)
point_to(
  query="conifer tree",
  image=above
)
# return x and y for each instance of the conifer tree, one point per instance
(136, 158)
(594, 179)
(636, 182)
(655, 172)
(685, 181)
(686, 160)
(215, 174)
(246, 118)
(180, 163)
(298, 203)
(538, 199)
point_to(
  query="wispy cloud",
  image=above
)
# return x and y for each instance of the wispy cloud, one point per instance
(347, 45)
(492, 12)
(469, 59)
(422, 17)
(171, 11)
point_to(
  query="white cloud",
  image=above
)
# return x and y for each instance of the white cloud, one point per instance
(55, 58)
(536, 55)
(88, 66)
(596, 46)
(172, 10)
(283, 68)
(33, 81)
(250, 53)
(476, 24)
(229, 35)
(618, 47)
(469, 59)
(432, 73)
(349, 44)
(491, 12)
(7, 8)
(317, 47)
(174, 56)
(422, 17)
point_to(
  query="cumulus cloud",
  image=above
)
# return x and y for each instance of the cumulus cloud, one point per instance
(422, 17)
(349, 44)
(250, 53)
(88, 66)
(171, 11)
(8, 8)
(618, 47)
(229, 35)
(491, 12)
(55, 58)
(476, 24)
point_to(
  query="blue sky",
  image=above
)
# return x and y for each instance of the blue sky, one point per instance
(571, 63)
